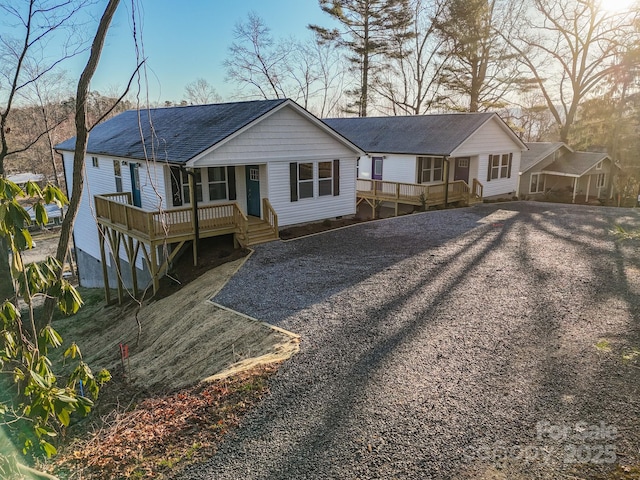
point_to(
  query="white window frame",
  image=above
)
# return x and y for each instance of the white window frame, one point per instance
(431, 169)
(377, 166)
(599, 165)
(218, 182)
(117, 174)
(204, 193)
(539, 183)
(601, 180)
(325, 180)
(307, 181)
(500, 165)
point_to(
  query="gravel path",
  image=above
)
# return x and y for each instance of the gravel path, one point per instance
(451, 344)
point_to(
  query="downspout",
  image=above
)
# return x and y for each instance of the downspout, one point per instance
(194, 209)
(446, 181)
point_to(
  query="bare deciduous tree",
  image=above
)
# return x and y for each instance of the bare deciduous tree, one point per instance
(37, 23)
(255, 60)
(570, 48)
(411, 81)
(201, 92)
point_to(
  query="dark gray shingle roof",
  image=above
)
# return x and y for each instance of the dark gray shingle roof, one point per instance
(537, 152)
(415, 135)
(576, 163)
(181, 133)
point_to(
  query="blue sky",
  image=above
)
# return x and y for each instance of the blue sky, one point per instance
(188, 39)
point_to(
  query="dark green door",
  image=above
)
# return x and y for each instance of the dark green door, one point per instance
(253, 190)
(135, 184)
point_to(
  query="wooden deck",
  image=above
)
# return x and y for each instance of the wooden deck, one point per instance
(136, 230)
(374, 192)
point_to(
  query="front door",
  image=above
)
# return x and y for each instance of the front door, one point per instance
(376, 168)
(461, 171)
(253, 190)
(135, 184)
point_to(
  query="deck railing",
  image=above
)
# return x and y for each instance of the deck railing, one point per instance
(270, 215)
(117, 209)
(477, 189)
(394, 190)
(416, 193)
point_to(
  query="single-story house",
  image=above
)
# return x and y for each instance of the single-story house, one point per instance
(430, 149)
(555, 167)
(247, 168)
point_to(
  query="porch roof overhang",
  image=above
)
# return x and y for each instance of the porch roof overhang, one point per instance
(559, 174)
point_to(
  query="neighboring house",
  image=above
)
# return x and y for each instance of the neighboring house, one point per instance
(256, 166)
(54, 215)
(21, 179)
(420, 149)
(555, 167)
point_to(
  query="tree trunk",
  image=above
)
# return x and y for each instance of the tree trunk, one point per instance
(82, 135)
(6, 284)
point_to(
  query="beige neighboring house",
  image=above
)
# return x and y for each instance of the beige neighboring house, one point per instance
(553, 167)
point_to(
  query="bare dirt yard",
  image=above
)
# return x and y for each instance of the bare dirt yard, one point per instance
(193, 369)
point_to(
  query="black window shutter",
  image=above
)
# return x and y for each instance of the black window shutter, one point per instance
(293, 181)
(509, 168)
(336, 178)
(420, 169)
(231, 180)
(489, 168)
(176, 188)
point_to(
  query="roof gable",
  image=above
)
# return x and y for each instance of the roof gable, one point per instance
(575, 164)
(537, 152)
(175, 134)
(416, 135)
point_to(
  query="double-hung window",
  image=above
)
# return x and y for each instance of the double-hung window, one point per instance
(537, 183)
(430, 169)
(325, 178)
(217, 180)
(314, 179)
(212, 184)
(305, 180)
(600, 180)
(117, 173)
(499, 166)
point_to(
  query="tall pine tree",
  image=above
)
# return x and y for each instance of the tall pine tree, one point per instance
(368, 29)
(480, 68)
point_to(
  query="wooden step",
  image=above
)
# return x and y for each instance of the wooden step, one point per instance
(260, 232)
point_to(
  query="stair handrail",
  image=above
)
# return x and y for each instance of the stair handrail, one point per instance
(270, 215)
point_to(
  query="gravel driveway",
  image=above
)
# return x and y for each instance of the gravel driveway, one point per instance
(482, 342)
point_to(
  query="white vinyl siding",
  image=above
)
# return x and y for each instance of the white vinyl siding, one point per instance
(311, 209)
(284, 135)
(101, 181)
(500, 186)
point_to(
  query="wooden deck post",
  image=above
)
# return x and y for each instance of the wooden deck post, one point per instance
(103, 258)
(154, 268)
(575, 189)
(194, 214)
(131, 255)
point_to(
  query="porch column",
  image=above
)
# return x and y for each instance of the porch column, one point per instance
(586, 198)
(575, 189)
